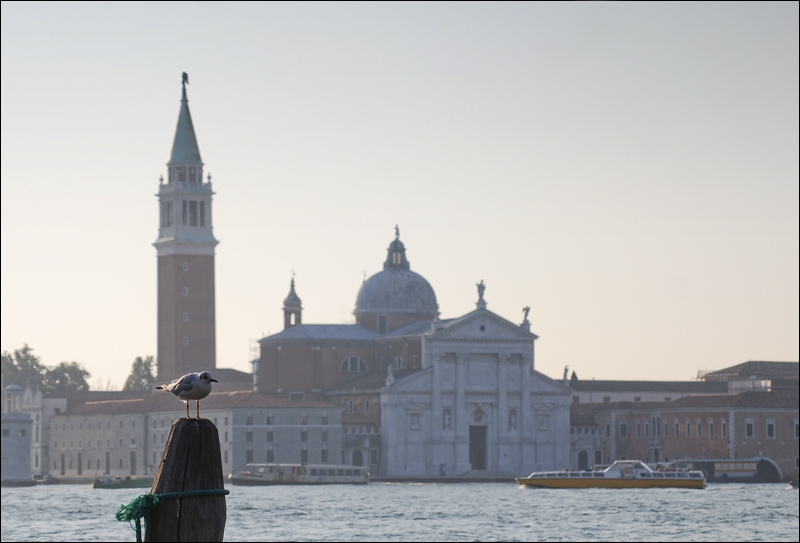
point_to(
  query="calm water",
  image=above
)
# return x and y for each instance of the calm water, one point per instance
(431, 512)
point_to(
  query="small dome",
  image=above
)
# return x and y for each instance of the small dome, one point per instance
(396, 289)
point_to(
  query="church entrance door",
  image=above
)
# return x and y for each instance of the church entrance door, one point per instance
(477, 447)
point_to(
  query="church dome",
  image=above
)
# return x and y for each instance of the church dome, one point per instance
(396, 289)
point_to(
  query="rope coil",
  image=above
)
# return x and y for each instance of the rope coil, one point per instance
(144, 505)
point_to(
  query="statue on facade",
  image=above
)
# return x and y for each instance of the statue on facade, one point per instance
(481, 288)
(526, 310)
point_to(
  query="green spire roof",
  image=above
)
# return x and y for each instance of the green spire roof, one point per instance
(184, 148)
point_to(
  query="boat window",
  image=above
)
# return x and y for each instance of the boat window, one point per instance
(657, 474)
(331, 472)
(645, 474)
(348, 472)
(313, 471)
(670, 474)
(682, 474)
(598, 474)
(563, 474)
(586, 474)
(550, 474)
(574, 474)
(339, 472)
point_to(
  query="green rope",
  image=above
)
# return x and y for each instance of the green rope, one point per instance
(144, 505)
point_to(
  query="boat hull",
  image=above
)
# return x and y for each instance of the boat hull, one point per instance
(251, 482)
(611, 483)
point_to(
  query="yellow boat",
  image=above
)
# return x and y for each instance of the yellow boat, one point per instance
(620, 474)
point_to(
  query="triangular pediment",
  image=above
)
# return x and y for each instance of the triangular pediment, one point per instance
(482, 324)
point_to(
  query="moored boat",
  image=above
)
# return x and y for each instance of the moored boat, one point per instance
(299, 474)
(620, 474)
(107, 481)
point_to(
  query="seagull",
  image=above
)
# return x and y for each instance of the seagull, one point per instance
(192, 386)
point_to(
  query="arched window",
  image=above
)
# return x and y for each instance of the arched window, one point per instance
(398, 363)
(358, 458)
(354, 365)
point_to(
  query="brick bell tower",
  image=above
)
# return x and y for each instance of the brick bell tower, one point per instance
(185, 252)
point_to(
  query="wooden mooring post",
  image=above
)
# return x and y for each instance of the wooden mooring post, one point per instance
(191, 461)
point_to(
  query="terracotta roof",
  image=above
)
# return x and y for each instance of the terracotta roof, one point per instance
(782, 399)
(688, 387)
(159, 402)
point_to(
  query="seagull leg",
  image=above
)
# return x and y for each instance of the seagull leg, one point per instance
(198, 409)
(187, 410)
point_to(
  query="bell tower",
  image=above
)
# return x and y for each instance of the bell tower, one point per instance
(185, 254)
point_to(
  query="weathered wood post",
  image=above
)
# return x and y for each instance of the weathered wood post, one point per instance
(191, 461)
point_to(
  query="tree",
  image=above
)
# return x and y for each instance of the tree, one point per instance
(141, 377)
(66, 376)
(23, 368)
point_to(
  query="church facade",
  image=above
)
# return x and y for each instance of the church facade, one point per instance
(423, 397)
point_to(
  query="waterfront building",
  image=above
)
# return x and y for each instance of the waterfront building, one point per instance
(126, 437)
(423, 396)
(16, 439)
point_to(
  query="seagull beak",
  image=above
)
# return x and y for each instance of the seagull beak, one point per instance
(214, 381)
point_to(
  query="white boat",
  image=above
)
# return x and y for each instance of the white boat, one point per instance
(620, 474)
(299, 474)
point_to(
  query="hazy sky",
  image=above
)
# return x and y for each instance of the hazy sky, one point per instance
(629, 171)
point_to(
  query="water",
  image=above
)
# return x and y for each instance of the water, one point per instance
(431, 512)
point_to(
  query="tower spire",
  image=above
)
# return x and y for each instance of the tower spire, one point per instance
(184, 146)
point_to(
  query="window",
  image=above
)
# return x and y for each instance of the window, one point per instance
(797, 429)
(185, 266)
(185, 317)
(688, 429)
(193, 213)
(185, 291)
(576, 399)
(366, 406)
(304, 455)
(249, 456)
(749, 429)
(22, 432)
(353, 365)
(677, 429)
(710, 428)
(303, 435)
(324, 435)
(638, 429)
(416, 360)
(324, 455)
(296, 397)
(398, 363)
(324, 419)
(351, 406)
(304, 419)
(699, 429)
(270, 420)
(270, 436)
(724, 425)
(608, 430)
(185, 340)
(770, 429)
(270, 455)
(248, 420)
(382, 324)
(647, 429)
(666, 429)
(623, 430)
(249, 436)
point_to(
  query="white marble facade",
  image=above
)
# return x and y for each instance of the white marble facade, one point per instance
(477, 406)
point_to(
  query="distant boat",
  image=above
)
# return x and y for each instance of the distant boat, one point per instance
(620, 474)
(107, 481)
(299, 474)
(17, 482)
(45, 479)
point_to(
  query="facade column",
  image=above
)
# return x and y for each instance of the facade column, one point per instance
(502, 408)
(461, 416)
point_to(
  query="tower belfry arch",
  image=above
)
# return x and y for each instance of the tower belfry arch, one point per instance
(185, 252)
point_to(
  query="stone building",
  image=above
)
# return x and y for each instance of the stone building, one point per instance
(423, 396)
